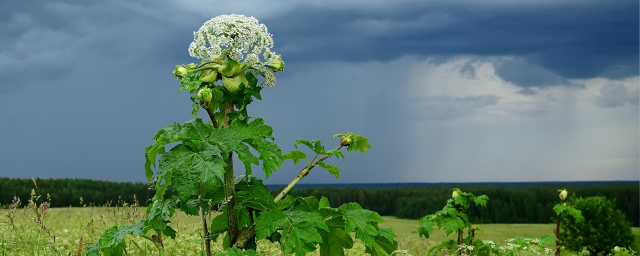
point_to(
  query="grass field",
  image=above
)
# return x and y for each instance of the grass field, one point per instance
(67, 225)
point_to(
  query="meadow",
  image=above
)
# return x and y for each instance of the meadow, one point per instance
(83, 226)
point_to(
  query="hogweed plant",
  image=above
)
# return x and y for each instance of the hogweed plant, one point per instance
(561, 208)
(453, 218)
(200, 167)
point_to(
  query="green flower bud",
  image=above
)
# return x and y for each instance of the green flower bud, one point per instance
(183, 71)
(277, 65)
(455, 194)
(205, 94)
(239, 69)
(563, 194)
(226, 70)
(209, 76)
(232, 84)
(191, 66)
(345, 140)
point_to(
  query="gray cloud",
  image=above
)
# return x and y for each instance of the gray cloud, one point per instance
(562, 39)
(447, 107)
(615, 95)
(524, 73)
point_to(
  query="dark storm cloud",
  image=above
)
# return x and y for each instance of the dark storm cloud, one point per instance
(526, 74)
(568, 39)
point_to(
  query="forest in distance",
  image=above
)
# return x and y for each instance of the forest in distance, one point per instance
(508, 202)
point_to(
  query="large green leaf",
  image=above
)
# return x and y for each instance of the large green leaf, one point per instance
(384, 244)
(336, 239)
(191, 167)
(255, 196)
(254, 134)
(364, 222)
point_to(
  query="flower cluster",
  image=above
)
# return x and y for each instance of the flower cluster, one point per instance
(245, 38)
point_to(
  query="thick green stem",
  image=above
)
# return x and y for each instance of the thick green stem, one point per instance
(230, 186)
(304, 172)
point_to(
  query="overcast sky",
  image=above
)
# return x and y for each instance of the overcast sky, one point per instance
(446, 91)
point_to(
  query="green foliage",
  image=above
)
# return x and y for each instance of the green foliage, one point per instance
(603, 228)
(453, 216)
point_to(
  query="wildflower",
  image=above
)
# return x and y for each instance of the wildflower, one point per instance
(240, 34)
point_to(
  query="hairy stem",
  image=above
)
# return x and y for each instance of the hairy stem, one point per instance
(205, 229)
(207, 107)
(230, 186)
(304, 172)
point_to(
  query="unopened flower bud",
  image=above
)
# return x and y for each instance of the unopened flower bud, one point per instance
(345, 141)
(277, 65)
(455, 194)
(205, 94)
(563, 194)
(209, 76)
(191, 66)
(183, 71)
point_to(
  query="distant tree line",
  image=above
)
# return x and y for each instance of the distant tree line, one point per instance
(507, 204)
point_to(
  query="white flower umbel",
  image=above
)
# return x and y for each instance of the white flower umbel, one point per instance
(247, 39)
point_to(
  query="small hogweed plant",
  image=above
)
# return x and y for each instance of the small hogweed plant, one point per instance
(453, 218)
(561, 208)
(199, 166)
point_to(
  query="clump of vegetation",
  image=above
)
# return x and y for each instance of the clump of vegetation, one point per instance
(604, 228)
(453, 218)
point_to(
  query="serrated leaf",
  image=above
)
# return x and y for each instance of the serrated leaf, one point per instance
(114, 237)
(301, 239)
(383, 245)
(194, 133)
(268, 222)
(451, 224)
(324, 202)
(575, 213)
(481, 200)
(426, 226)
(295, 155)
(256, 197)
(315, 145)
(313, 218)
(254, 134)
(364, 222)
(191, 167)
(190, 82)
(335, 171)
(169, 134)
(360, 143)
(94, 249)
(287, 202)
(334, 240)
(309, 204)
(559, 208)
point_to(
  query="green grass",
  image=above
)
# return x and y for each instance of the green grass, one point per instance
(67, 225)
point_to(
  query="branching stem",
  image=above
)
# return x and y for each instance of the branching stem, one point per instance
(304, 172)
